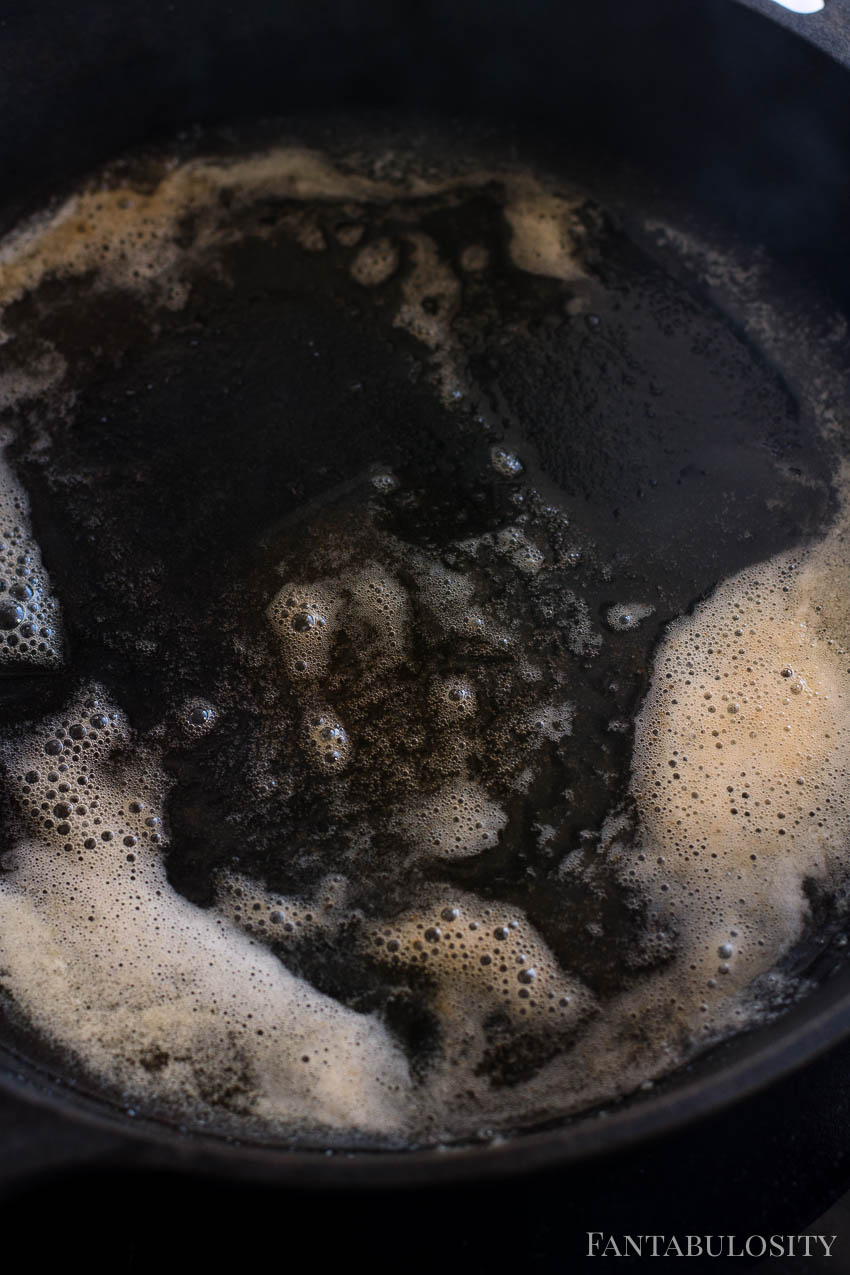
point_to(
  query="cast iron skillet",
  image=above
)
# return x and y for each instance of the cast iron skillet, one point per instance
(720, 104)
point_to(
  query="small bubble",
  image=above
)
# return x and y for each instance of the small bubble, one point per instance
(505, 462)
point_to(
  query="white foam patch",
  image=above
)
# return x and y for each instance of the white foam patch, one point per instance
(380, 604)
(523, 553)
(484, 957)
(545, 232)
(430, 299)
(375, 263)
(742, 757)
(454, 699)
(478, 959)
(740, 770)
(305, 620)
(457, 821)
(31, 637)
(349, 233)
(156, 998)
(128, 238)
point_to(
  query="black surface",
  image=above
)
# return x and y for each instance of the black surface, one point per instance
(829, 28)
(770, 1167)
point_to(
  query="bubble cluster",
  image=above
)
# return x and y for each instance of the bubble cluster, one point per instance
(513, 542)
(457, 821)
(506, 462)
(198, 717)
(384, 480)
(31, 636)
(742, 755)
(481, 968)
(623, 617)
(474, 257)
(375, 263)
(154, 997)
(454, 699)
(430, 300)
(132, 238)
(411, 757)
(380, 606)
(483, 957)
(328, 741)
(284, 918)
(304, 620)
(550, 721)
(545, 232)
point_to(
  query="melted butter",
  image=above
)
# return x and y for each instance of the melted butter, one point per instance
(739, 774)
